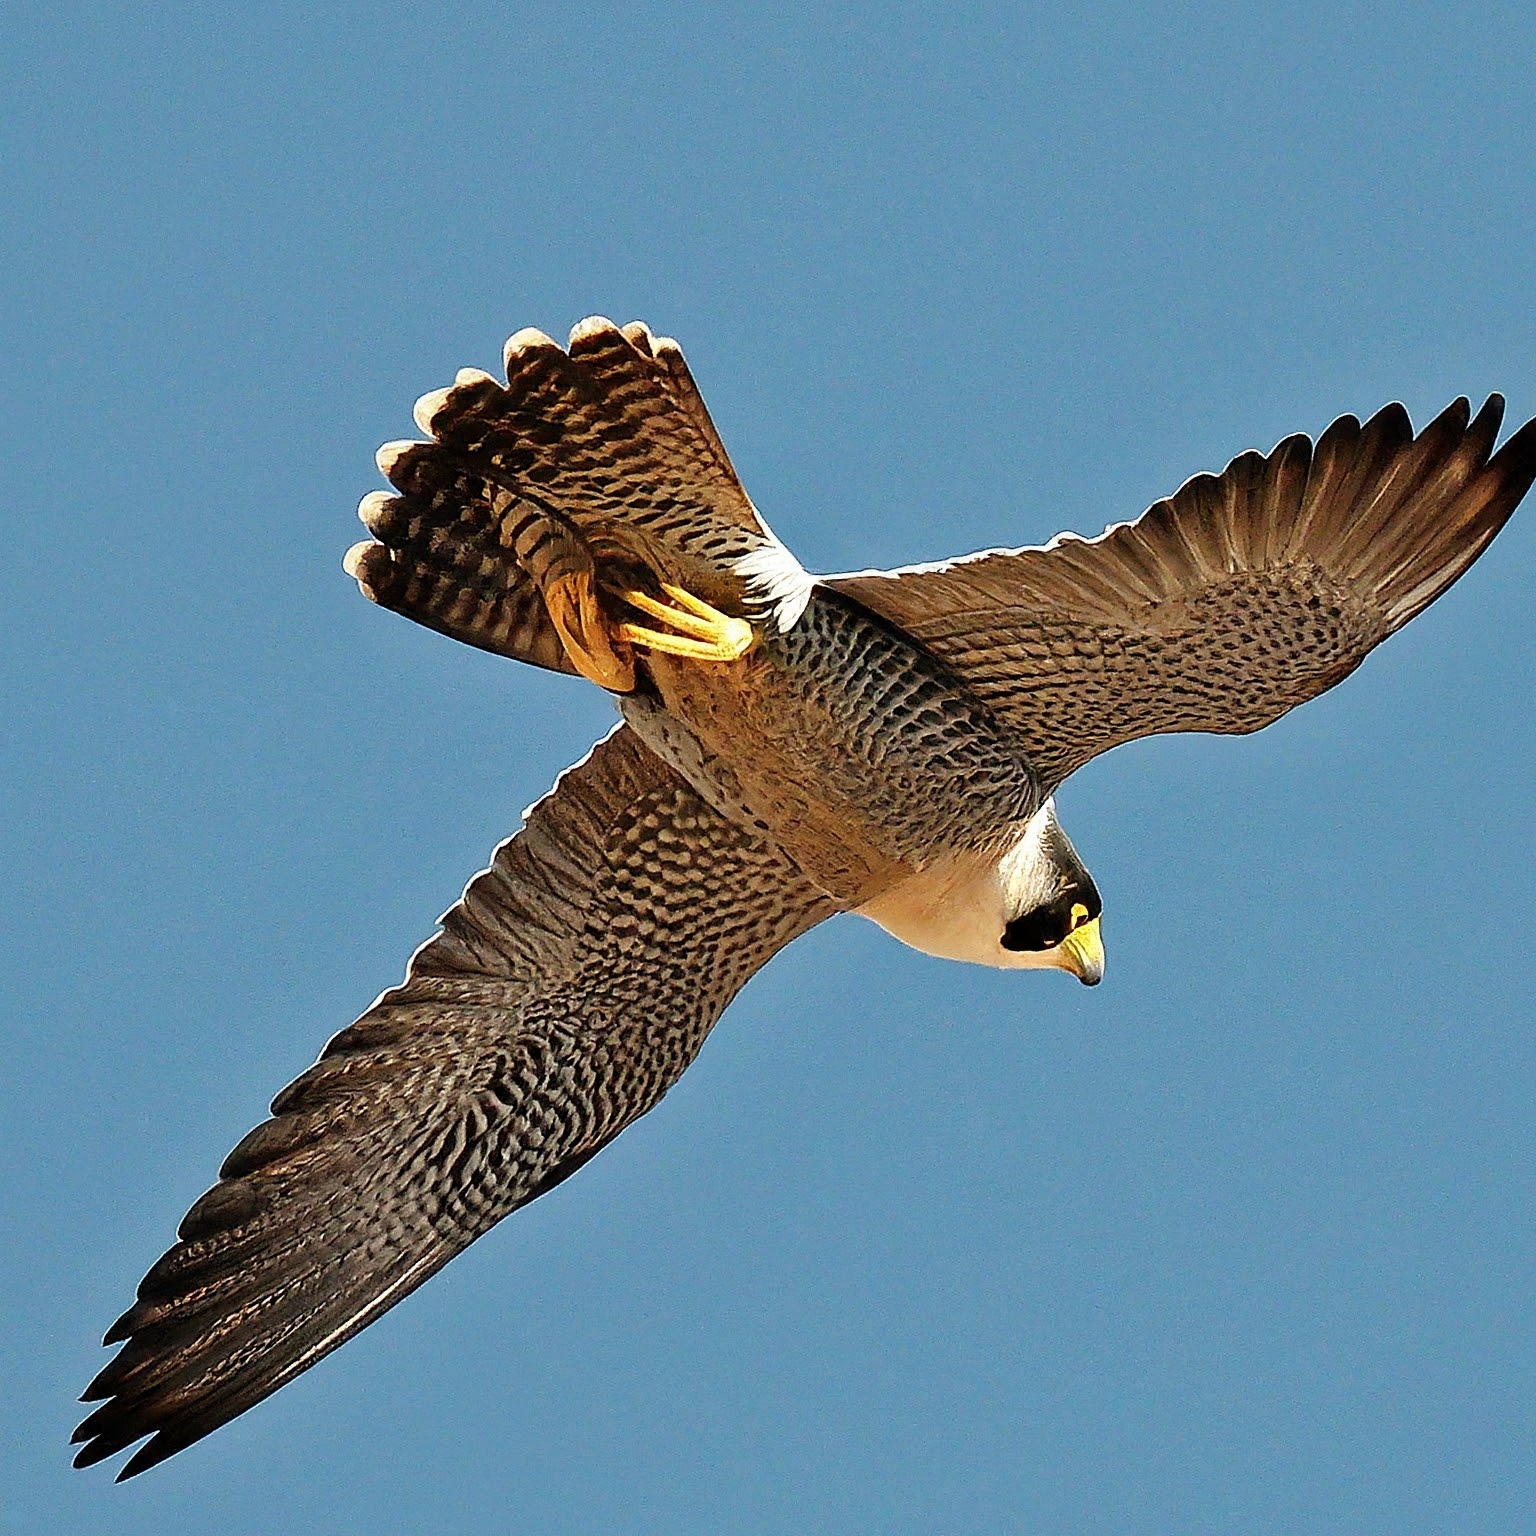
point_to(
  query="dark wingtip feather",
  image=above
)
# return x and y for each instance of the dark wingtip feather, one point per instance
(1516, 460)
(1513, 467)
(1490, 417)
(102, 1385)
(123, 1328)
(158, 1448)
(1419, 566)
(1394, 416)
(1458, 411)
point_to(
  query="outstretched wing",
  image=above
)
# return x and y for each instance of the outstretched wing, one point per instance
(1239, 597)
(610, 439)
(565, 994)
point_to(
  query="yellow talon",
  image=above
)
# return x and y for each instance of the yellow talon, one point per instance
(694, 628)
(681, 645)
(599, 646)
(583, 628)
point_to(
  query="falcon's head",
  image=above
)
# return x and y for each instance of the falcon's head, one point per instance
(1034, 908)
(1051, 905)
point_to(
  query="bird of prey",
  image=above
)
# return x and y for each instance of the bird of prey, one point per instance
(886, 743)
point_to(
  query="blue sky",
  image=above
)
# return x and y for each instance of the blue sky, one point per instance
(1240, 1241)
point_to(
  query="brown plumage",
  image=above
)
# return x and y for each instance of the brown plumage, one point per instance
(568, 989)
(611, 442)
(888, 744)
(1237, 598)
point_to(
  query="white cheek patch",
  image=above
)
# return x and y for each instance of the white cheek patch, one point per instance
(1026, 875)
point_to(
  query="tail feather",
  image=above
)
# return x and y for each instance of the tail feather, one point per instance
(610, 442)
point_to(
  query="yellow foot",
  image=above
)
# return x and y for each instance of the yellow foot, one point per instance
(694, 628)
(585, 632)
(600, 647)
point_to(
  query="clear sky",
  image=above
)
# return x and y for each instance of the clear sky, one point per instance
(1239, 1242)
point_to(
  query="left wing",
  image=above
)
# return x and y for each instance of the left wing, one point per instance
(1239, 597)
(566, 993)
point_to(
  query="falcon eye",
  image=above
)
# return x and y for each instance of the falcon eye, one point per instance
(1079, 917)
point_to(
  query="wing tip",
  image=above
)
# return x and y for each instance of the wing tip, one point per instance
(160, 1446)
(1469, 516)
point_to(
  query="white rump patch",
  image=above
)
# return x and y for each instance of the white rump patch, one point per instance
(776, 580)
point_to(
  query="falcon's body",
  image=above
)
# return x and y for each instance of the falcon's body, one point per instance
(859, 755)
(885, 743)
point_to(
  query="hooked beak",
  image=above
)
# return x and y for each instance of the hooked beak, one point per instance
(1082, 953)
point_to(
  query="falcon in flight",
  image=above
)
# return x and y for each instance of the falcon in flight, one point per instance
(886, 743)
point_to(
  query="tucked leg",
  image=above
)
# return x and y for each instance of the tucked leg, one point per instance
(694, 629)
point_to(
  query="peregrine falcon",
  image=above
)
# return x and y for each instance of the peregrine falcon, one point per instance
(886, 743)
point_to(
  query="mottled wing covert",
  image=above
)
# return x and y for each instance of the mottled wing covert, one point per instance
(1239, 597)
(566, 992)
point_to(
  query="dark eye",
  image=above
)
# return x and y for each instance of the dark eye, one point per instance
(1037, 930)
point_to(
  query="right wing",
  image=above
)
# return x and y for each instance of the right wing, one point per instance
(566, 993)
(1241, 596)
